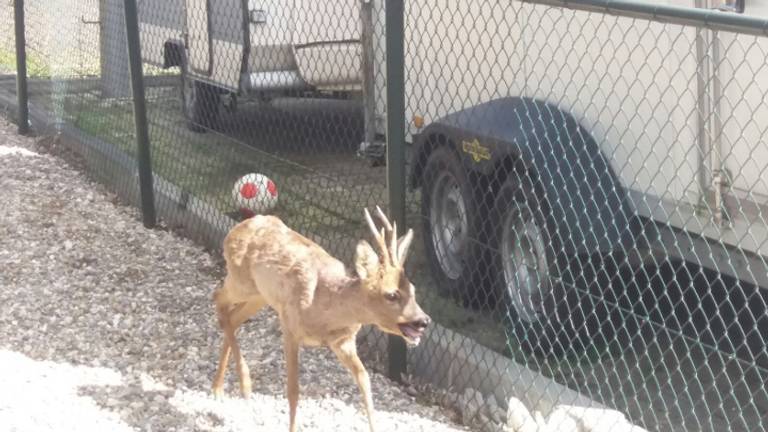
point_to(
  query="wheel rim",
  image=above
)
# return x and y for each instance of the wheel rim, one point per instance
(525, 264)
(448, 219)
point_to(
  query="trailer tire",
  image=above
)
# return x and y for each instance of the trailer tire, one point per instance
(535, 305)
(201, 104)
(452, 229)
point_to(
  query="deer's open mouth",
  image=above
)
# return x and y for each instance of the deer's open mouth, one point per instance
(412, 332)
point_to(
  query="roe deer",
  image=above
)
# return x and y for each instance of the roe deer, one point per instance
(319, 302)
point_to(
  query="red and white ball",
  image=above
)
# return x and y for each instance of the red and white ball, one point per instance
(254, 193)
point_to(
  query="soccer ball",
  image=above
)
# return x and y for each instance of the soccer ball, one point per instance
(254, 193)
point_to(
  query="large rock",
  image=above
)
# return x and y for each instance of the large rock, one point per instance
(566, 418)
(598, 419)
(561, 421)
(519, 419)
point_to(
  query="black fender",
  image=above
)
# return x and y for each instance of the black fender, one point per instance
(173, 53)
(589, 205)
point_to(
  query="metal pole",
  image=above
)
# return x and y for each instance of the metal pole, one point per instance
(702, 113)
(140, 114)
(718, 178)
(114, 67)
(396, 147)
(369, 92)
(21, 67)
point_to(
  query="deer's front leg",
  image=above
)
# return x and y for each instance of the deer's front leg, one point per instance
(291, 351)
(346, 351)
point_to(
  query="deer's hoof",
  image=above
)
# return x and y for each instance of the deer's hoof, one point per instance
(218, 392)
(246, 391)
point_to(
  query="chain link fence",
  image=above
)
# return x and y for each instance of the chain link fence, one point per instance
(595, 186)
(587, 179)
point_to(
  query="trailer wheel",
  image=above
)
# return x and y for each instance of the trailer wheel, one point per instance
(200, 103)
(534, 300)
(451, 227)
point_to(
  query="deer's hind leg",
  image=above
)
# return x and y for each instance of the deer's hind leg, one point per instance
(232, 316)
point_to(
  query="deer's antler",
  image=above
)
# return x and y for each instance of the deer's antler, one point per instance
(391, 234)
(391, 252)
(379, 237)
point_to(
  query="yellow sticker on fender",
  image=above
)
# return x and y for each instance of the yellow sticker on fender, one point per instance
(477, 150)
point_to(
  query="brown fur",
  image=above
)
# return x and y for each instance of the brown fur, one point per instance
(319, 301)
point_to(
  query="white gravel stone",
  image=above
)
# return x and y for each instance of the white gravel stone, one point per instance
(108, 326)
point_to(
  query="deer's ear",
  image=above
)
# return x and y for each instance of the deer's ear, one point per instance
(366, 260)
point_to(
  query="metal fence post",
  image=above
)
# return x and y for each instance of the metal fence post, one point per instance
(395, 66)
(21, 67)
(140, 114)
(369, 85)
(113, 64)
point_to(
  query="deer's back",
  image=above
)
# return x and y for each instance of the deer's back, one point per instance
(265, 257)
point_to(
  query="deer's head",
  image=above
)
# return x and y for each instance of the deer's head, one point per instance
(391, 297)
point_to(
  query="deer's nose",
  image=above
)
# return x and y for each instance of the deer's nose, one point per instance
(422, 323)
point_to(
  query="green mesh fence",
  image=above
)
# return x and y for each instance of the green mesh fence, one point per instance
(588, 187)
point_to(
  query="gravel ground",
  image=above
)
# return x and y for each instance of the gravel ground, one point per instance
(105, 325)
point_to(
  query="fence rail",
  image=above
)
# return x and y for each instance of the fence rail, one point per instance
(588, 179)
(712, 18)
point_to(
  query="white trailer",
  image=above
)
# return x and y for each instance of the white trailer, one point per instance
(542, 133)
(231, 48)
(538, 133)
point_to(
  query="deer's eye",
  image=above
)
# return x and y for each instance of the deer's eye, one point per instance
(392, 296)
